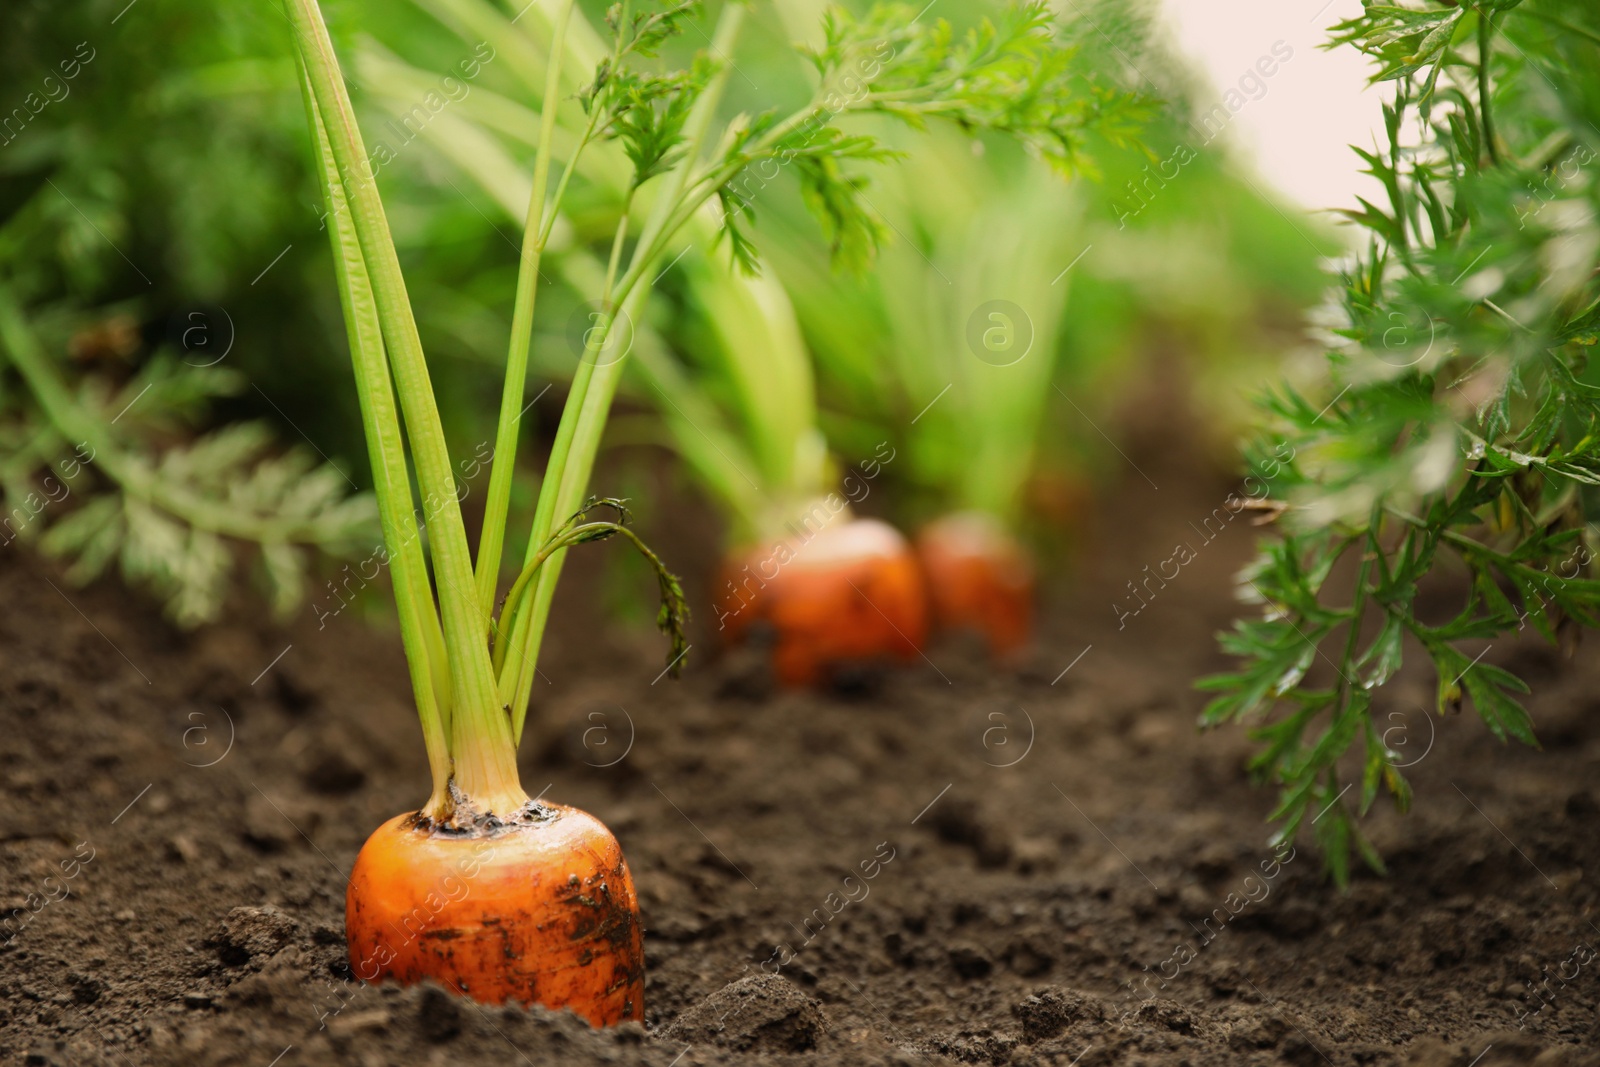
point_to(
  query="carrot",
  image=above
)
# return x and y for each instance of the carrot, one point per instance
(536, 910)
(497, 895)
(979, 578)
(848, 594)
(487, 891)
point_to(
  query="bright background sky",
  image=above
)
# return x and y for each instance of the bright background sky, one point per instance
(1316, 105)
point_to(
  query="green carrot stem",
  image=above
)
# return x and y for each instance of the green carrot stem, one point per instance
(674, 611)
(503, 639)
(485, 768)
(512, 637)
(491, 539)
(419, 619)
(573, 458)
(616, 245)
(575, 479)
(566, 175)
(1485, 84)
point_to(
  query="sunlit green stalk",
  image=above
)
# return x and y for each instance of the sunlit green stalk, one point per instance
(506, 640)
(1485, 88)
(616, 252)
(573, 536)
(674, 212)
(701, 435)
(586, 410)
(491, 539)
(567, 172)
(484, 755)
(418, 615)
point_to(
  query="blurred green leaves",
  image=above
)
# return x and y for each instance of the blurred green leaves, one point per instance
(1460, 435)
(127, 476)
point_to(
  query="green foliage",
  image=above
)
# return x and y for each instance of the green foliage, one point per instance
(1461, 431)
(1017, 77)
(162, 175)
(1014, 76)
(762, 453)
(1169, 242)
(645, 111)
(578, 529)
(673, 614)
(126, 475)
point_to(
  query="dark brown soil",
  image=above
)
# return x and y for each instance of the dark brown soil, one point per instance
(208, 793)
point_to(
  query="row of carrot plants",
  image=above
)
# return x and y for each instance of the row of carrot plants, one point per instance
(552, 915)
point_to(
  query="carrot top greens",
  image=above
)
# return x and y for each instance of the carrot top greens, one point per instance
(1460, 431)
(472, 668)
(164, 511)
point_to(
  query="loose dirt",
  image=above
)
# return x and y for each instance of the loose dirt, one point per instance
(1042, 864)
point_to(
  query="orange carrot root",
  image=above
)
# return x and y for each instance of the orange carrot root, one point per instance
(979, 578)
(539, 913)
(850, 593)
